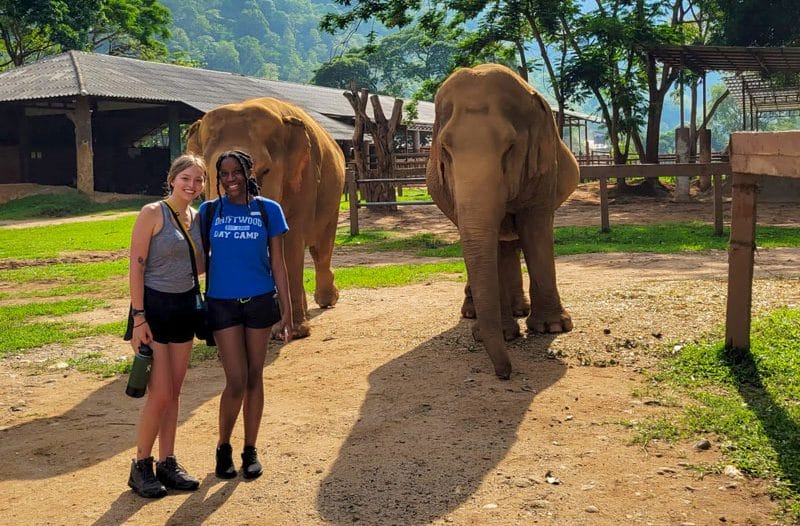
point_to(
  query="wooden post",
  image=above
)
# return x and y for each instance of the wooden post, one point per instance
(717, 204)
(704, 137)
(81, 117)
(604, 225)
(682, 150)
(740, 261)
(351, 185)
(175, 147)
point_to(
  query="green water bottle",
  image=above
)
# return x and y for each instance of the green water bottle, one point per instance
(140, 372)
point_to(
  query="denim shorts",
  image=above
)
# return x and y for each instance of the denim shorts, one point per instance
(255, 312)
(171, 317)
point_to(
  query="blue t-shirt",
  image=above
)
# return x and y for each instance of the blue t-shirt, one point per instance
(239, 256)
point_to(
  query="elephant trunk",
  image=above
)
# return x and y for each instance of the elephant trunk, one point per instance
(479, 222)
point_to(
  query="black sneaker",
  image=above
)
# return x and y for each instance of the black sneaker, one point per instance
(225, 469)
(251, 467)
(173, 476)
(143, 481)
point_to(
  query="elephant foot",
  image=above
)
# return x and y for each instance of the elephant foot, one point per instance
(326, 298)
(300, 330)
(468, 309)
(540, 326)
(521, 307)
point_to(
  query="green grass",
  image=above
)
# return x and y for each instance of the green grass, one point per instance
(21, 327)
(661, 238)
(389, 275)
(750, 400)
(409, 194)
(67, 273)
(69, 204)
(50, 241)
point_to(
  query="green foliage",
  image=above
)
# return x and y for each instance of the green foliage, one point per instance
(390, 275)
(757, 23)
(66, 274)
(275, 40)
(32, 29)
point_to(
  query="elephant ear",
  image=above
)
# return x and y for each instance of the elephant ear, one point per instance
(543, 147)
(298, 152)
(435, 179)
(193, 139)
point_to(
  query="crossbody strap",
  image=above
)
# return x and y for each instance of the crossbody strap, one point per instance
(189, 241)
(205, 234)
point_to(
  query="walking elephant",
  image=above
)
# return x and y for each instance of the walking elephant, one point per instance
(498, 169)
(297, 164)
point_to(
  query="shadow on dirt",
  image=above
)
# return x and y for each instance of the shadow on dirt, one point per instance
(69, 442)
(444, 442)
(201, 504)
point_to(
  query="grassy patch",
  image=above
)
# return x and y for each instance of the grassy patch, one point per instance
(389, 275)
(67, 273)
(20, 329)
(52, 240)
(409, 194)
(69, 204)
(749, 399)
(662, 238)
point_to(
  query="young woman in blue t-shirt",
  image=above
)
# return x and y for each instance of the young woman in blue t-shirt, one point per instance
(246, 266)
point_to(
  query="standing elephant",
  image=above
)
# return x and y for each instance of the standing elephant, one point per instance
(297, 164)
(498, 169)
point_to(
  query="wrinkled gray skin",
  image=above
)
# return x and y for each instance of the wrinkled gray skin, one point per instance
(498, 169)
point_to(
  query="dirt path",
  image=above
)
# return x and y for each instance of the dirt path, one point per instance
(389, 413)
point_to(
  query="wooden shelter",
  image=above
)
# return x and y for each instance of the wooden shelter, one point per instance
(112, 124)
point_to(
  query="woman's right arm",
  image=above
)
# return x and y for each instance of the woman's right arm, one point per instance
(143, 230)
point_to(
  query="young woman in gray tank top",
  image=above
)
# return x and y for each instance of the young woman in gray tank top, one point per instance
(162, 316)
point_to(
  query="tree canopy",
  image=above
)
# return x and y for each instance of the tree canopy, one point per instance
(32, 29)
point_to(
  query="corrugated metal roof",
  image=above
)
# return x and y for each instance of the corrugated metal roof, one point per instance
(77, 73)
(700, 59)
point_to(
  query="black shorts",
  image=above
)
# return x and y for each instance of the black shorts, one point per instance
(171, 317)
(256, 312)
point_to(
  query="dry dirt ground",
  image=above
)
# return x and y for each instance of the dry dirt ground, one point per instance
(389, 413)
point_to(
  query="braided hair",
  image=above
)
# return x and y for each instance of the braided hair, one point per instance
(246, 162)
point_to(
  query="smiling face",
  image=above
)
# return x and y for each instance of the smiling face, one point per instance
(187, 177)
(231, 175)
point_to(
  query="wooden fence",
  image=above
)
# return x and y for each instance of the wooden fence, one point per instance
(411, 172)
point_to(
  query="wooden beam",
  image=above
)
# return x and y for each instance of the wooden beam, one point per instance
(766, 153)
(740, 261)
(653, 170)
(81, 118)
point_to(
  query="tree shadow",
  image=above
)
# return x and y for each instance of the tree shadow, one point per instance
(200, 505)
(448, 422)
(779, 426)
(99, 427)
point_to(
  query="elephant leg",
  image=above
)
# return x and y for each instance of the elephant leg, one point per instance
(325, 293)
(505, 254)
(293, 248)
(511, 277)
(547, 313)
(468, 307)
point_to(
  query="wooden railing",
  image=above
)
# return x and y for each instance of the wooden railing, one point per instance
(410, 171)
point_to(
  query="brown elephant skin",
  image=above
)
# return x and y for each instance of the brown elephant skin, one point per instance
(499, 170)
(297, 164)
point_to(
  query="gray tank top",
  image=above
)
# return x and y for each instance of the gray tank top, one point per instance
(168, 267)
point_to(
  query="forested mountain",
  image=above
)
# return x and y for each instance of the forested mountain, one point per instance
(274, 39)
